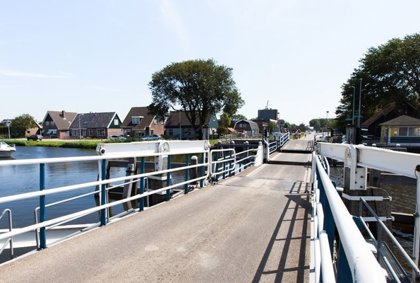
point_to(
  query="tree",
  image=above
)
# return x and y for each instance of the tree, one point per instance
(238, 117)
(200, 87)
(21, 123)
(390, 72)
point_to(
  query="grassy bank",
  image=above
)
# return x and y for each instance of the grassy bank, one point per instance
(85, 144)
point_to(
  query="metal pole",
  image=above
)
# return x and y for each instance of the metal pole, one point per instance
(360, 104)
(103, 193)
(8, 128)
(416, 241)
(80, 130)
(187, 172)
(179, 120)
(168, 178)
(42, 212)
(352, 119)
(142, 169)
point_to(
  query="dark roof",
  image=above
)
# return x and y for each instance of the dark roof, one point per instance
(402, 120)
(94, 120)
(138, 111)
(253, 125)
(175, 117)
(385, 112)
(62, 119)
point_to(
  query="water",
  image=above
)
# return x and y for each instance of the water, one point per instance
(25, 178)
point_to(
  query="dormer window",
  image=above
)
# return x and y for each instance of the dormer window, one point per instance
(136, 120)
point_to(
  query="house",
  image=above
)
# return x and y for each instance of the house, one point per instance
(36, 129)
(177, 126)
(57, 124)
(247, 128)
(139, 123)
(100, 125)
(371, 127)
(403, 130)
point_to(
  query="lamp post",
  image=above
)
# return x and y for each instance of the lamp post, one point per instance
(8, 127)
(179, 120)
(326, 124)
(80, 129)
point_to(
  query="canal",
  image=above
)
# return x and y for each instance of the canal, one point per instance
(25, 178)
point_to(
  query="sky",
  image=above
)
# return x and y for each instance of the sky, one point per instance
(99, 56)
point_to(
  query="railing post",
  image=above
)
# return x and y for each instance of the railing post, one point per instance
(202, 169)
(42, 209)
(416, 239)
(168, 179)
(187, 172)
(142, 169)
(103, 193)
(247, 152)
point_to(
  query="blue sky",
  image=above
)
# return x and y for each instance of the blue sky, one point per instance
(95, 56)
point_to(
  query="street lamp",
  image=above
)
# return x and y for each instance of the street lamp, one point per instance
(80, 129)
(8, 127)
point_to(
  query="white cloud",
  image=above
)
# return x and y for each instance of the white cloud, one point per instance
(20, 74)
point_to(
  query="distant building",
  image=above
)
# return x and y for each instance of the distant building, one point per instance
(268, 114)
(56, 124)
(247, 128)
(403, 130)
(269, 120)
(96, 125)
(177, 126)
(391, 111)
(139, 123)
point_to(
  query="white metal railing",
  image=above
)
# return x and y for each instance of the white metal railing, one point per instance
(362, 265)
(159, 151)
(381, 227)
(9, 241)
(360, 156)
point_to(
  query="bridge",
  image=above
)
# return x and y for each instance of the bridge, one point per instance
(274, 221)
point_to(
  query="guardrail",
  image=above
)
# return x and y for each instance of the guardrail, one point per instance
(360, 157)
(192, 172)
(9, 241)
(355, 262)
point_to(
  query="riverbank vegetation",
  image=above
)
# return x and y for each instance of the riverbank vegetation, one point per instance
(84, 144)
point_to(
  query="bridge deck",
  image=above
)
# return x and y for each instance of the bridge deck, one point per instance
(252, 227)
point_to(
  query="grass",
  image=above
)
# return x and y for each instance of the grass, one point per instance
(84, 144)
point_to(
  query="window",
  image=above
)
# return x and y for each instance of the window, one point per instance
(403, 132)
(136, 120)
(413, 132)
(100, 132)
(116, 122)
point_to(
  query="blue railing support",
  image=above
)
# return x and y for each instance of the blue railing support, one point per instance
(42, 209)
(187, 172)
(168, 179)
(142, 169)
(202, 170)
(103, 193)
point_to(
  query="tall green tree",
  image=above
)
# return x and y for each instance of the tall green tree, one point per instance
(390, 72)
(199, 87)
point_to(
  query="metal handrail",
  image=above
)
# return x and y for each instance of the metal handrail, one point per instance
(362, 263)
(48, 224)
(10, 239)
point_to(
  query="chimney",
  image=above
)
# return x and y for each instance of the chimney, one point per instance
(62, 113)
